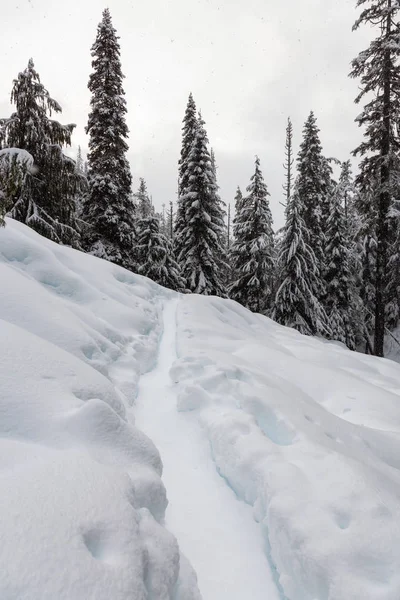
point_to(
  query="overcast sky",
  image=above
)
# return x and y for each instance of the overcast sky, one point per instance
(248, 63)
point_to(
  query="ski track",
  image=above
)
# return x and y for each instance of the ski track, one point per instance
(215, 530)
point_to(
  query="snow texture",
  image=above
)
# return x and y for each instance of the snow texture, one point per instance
(280, 451)
(82, 500)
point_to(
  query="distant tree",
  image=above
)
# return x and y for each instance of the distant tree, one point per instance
(378, 68)
(169, 221)
(155, 254)
(143, 202)
(189, 130)
(108, 205)
(46, 200)
(79, 163)
(289, 160)
(252, 250)
(201, 239)
(295, 303)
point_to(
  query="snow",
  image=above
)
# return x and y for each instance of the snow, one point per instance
(202, 509)
(82, 500)
(278, 453)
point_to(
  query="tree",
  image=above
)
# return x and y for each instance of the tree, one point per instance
(169, 221)
(379, 70)
(253, 248)
(338, 277)
(46, 200)
(288, 164)
(189, 130)
(201, 239)
(108, 207)
(295, 302)
(155, 254)
(143, 202)
(312, 191)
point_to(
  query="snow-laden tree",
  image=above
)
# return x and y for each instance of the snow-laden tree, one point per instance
(311, 188)
(46, 201)
(340, 287)
(155, 254)
(295, 302)
(378, 68)
(202, 238)
(252, 251)
(108, 205)
(143, 203)
(189, 130)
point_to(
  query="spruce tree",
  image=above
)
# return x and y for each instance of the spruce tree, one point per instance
(189, 130)
(155, 254)
(169, 221)
(312, 191)
(47, 197)
(201, 239)
(379, 70)
(295, 302)
(108, 205)
(253, 247)
(288, 164)
(338, 277)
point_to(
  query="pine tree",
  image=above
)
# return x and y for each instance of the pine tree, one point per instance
(338, 276)
(295, 302)
(201, 239)
(379, 70)
(288, 164)
(189, 130)
(155, 254)
(252, 250)
(79, 164)
(169, 222)
(108, 206)
(143, 202)
(47, 197)
(312, 191)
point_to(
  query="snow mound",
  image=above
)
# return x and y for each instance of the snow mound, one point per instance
(82, 502)
(306, 432)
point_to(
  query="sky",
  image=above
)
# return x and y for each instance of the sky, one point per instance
(249, 64)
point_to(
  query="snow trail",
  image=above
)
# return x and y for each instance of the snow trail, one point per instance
(215, 530)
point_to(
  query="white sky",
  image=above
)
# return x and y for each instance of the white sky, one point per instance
(248, 63)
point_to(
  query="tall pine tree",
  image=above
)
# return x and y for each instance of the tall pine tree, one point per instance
(379, 70)
(288, 164)
(295, 302)
(47, 197)
(201, 239)
(252, 251)
(108, 206)
(189, 130)
(312, 191)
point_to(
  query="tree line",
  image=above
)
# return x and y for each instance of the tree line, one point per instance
(333, 269)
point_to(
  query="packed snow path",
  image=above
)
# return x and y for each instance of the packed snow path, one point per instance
(215, 531)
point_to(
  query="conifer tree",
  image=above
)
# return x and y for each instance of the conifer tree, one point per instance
(143, 202)
(295, 302)
(189, 130)
(155, 254)
(47, 197)
(379, 70)
(339, 298)
(312, 191)
(201, 239)
(169, 221)
(288, 164)
(252, 249)
(108, 206)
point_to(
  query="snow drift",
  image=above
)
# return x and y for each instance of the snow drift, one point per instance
(304, 434)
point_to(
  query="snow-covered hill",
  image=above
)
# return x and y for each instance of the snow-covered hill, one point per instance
(280, 453)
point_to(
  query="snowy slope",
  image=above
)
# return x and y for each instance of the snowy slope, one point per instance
(82, 501)
(281, 453)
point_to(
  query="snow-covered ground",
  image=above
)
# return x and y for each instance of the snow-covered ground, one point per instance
(281, 453)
